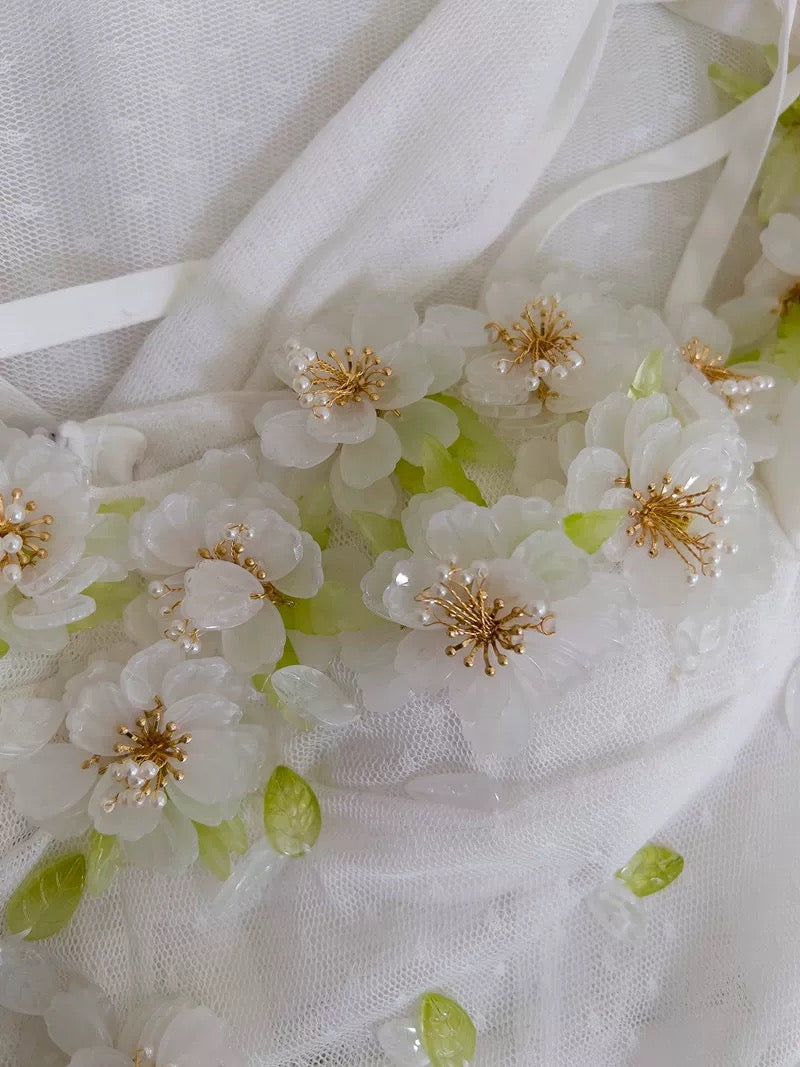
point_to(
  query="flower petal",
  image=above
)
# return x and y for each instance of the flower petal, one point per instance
(275, 543)
(307, 577)
(382, 495)
(81, 1018)
(781, 243)
(170, 847)
(142, 678)
(93, 719)
(345, 424)
(380, 321)
(220, 595)
(26, 725)
(362, 464)
(655, 451)
(50, 781)
(202, 676)
(417, 420)
(605, 426)
(285, 439)
(313, 695)
(418, 512)
(591, 474)
(127, 821)
(411, 378)
(203, 710)
(99, 1057)
(211, 772)
(464, 534)
(258, 644)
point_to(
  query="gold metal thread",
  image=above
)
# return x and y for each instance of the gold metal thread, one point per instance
(32, 532)
(713, 368)
(665, 517)
(546, 333)
(338, 380)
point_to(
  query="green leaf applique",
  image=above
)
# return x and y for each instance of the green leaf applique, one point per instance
(787, 346)
(126, 506)
(440, 470)
(291, 813)
(411, 478)
(103, 861)
(651, 870)
(316, 508)
(780, 175)
(216, 843)
(111, 599)
(477, 443)
(447, 1032)
(381, 534)
(649, 376)
(46, 900)
(738, 87)
(590, 529)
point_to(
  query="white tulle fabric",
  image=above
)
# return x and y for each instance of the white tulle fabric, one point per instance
(396, 144)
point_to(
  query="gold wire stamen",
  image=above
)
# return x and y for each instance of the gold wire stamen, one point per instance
(733, 387)
(150, 752)
(231, 550)
(333, 380)
(787, 300)
(545, 340)
(666, 516)
(21, 537)
(460, 604)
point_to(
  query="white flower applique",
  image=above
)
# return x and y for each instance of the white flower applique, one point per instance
(692, 535)
(152, 746)
(53, 543)
(498, 608)
(81, 1023)
(556, 345)
(358, 389)
(224, 554)
(703, 384)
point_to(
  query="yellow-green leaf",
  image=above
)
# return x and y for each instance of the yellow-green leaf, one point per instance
(215, 844)
(234, 835)
(477, 443)
(787, 346)
(651, 870)
(737, 86)
(649, 376)
(315, 508)
(380, 533)
(126, 506)
(111, 599)
(291, 813)
(440, 470)
(780, 176)
(46, 900)
(410, 477)
(447, 1032)
(102, 862)
(261, 682)
(335, 609)
(4, 647)
(590, 529)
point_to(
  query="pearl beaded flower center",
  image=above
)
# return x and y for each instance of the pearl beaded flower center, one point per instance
(22, 536)
(331, 380)
(734, 388)
(460, 604)
(545, 339)
(150, 753)
(668, 516)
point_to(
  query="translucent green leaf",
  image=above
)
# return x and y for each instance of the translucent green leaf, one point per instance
(381, 534)
(649, 376)
(335, 609)
(477, 443)
(234, 835)
(111, 599)
(590, 529)
(771, 56)
(749, 356)
(411, 478)
(780, 176)
(316, 507)
(291, 813)
(102, 862)
(213, 852)
(441, 470)
(738, 87)
(651, 870)
(447, 1032)
(787, 346)
(4, 647)
(126, 506)
(46, 900)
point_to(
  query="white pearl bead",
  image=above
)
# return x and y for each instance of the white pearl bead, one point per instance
(745, 388)
(159, 800)
(12, 543)
(292, 345)
(174, 632)
(156, 589)
(692, 578)
(322, 413)
(559, 372)
(481, 568)
(306, 400)
(731, 548)
(533, 382)
(297, 363)
(730, 388)
(541, 608)
(503, 366)
(308, 354)
(149, 769)
(541, 367)
(425, 617)
(15, 512)
(301, 384)
(109, 804)
(576, 359)
(13, 572)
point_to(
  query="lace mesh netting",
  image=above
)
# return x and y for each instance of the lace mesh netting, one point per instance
(140, 134)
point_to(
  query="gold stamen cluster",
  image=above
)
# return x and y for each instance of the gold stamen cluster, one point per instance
(22, 537)
(667, 517)
(334, 380)
(230, 550)
(735, 388)
(544, 338)
(460, 604)
(150, 754)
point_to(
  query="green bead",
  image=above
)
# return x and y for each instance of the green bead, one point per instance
(651, 870)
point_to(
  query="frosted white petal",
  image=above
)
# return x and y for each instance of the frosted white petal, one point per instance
(28, 981)
(26, 724)
(258, 644)
(420, 419)
(142, 677)
(50, 781)
(591, 474)
(305, 579)
(80, 1018)
(468, 789)
(197, 1038)
(313, 695)
(362, 464)
(220, 595)
(380, 321)
(781, 243)
(286, 441)
(251, 874)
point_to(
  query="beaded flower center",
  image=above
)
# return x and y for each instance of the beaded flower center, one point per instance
(544, 340)
(150, 753)
(733, 387)
(143, 1057)
(667, 517)
(22, 536)
(325, 382)
(461, 605)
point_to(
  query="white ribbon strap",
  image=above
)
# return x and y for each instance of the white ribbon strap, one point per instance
(49, 319)
(687, 155)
